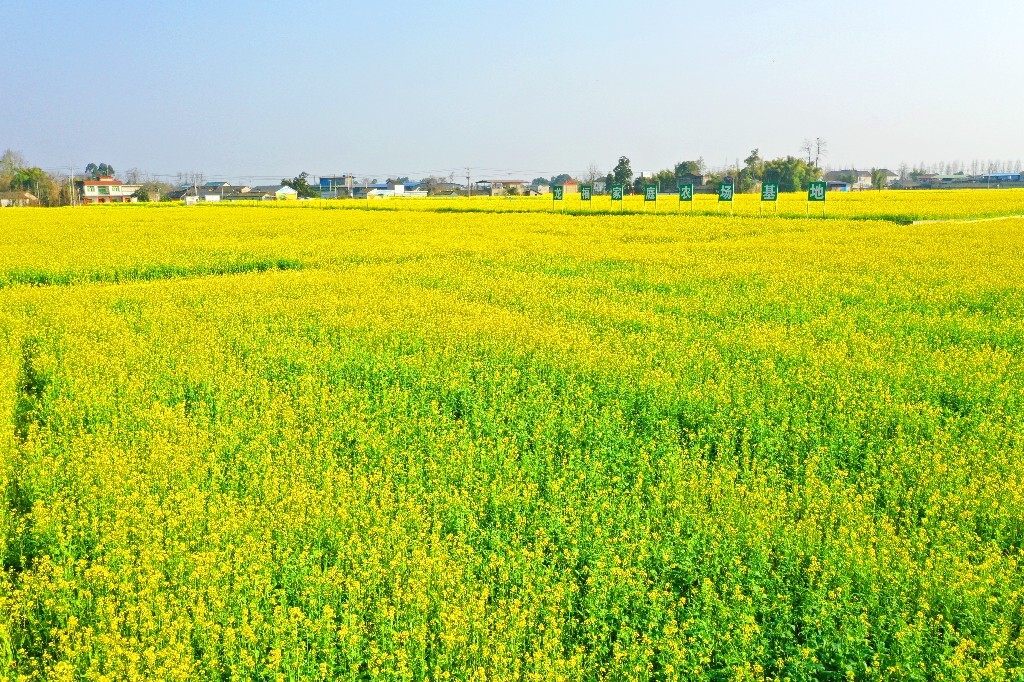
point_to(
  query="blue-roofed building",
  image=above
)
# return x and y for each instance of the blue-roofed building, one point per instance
(1003, 177)
(336, 186)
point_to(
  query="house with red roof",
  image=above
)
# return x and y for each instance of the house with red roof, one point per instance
(106, 190)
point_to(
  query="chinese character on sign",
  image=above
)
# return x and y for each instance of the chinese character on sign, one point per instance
(725, 193)
(616, 192)
(585, 192)
(816, 191)
(650, 193)
(685, 192)
(559, 192)
(769, 192)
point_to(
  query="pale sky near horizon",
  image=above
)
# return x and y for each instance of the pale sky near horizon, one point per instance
(266, 90)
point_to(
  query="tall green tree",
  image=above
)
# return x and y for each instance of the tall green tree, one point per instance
(751, 173)
(791, 173)
(10, 162)
(300, 184)
(94, 171)
(690, 167)
(622, 173)
(878, 178)
(666, 180)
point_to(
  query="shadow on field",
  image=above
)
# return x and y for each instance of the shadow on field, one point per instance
(142, 273)
(21, 552)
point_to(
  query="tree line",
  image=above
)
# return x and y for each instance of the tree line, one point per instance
(16, 175)
(792, 174)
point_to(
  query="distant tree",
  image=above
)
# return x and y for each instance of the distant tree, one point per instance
(878, 178)
(609, 180)
(751, 173)
(791, 173)
(301, 185)
(622, 173)
(560, 179)
(157, 191)
(512, 190)
(815, 149)
(690, 168)
(94, 171)
(593, 173)
(638, 184)
(537, 182)
(11, 161)
(27, 179)
(51, 190)
(431, 184)
(666, 180)
(16, 175)
(142, 194)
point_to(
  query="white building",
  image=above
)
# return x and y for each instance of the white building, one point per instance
(106, 190)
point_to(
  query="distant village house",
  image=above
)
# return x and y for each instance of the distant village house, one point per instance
(106, 190)
(215, 192)
(497, 188)
(18, 199)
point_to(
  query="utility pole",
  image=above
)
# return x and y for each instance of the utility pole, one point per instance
(71, 194)
(469, 187)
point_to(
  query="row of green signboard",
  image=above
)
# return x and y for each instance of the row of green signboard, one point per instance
(769, 192)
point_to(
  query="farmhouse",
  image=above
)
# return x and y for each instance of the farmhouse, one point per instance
(497, 188)
(695, 179)
(385, 190)
(280, 192)
(213, 192)
(1002, 177)
(18, 199)
(935, 180)
(247, 194)
(856, 179)
(336, 186)
(105, 190)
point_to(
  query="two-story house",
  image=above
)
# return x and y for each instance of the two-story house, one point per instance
(105, 190)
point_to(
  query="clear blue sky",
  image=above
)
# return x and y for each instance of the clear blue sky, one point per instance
(237, 89)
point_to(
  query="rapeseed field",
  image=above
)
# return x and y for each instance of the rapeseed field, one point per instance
(252, 444)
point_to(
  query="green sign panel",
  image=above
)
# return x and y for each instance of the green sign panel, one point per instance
(559, 192)
(816, 191)
(650, 192)
(586, 192)
(769, 192)
(726, 191)
(686, 192)
(616, 192)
